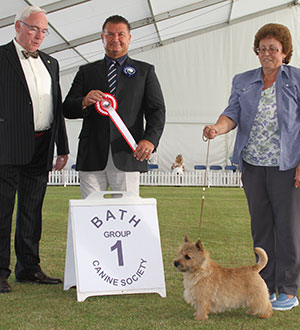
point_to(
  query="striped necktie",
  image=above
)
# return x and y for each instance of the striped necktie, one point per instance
(112, 77)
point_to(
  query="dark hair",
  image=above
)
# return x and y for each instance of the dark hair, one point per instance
(279, 32)
(115, 19)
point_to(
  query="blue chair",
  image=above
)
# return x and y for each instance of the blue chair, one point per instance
(152, 166)
(199, 167)
(230, 168)
(215, 167)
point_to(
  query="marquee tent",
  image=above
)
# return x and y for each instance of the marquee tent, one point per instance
(196, 46)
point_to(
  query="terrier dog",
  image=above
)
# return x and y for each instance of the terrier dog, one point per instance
(208, 287)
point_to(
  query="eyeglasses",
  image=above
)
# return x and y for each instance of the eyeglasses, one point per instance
(34, 29)
(271, 50)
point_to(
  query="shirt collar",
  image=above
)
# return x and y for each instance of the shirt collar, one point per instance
(119, 60)
(19, 49)
(283, 70)
(258, 75)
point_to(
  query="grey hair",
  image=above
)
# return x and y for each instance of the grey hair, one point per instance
(26, 12)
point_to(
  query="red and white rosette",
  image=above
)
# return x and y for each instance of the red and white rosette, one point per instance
(108, 107)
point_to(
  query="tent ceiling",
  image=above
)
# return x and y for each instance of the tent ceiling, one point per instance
(75, 25)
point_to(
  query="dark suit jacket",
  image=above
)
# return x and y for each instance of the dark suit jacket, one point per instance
(16, 112)
(139, 98)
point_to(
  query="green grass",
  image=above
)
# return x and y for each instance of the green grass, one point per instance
(225, 233)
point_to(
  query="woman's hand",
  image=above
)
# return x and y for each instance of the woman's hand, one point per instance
(297, 177)
(223, 125)
(210, 131)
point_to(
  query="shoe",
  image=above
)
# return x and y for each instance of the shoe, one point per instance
(273, 297)
(4, 286)
(284, 303)
(38, 277)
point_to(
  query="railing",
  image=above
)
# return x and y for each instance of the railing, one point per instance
(220, 178)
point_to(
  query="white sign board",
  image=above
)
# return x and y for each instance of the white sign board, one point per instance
(113, 246)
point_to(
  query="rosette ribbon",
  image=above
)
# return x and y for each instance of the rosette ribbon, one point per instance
(108, 107)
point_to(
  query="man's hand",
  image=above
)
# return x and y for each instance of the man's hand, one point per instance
(144, 150)
(61, 162)
(92, 97)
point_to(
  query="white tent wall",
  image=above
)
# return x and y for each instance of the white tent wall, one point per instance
(196, 75)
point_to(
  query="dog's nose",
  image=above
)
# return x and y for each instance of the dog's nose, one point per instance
(176, 263)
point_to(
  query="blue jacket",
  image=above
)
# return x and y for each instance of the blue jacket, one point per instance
(243, 104)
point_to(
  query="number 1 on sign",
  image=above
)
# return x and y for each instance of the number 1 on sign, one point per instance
(118, 246)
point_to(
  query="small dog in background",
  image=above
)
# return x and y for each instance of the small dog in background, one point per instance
(208, 287)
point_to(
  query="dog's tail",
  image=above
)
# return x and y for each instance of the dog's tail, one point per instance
(262, 259)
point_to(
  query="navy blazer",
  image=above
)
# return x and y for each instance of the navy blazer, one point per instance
(139, 98)
(16, 112)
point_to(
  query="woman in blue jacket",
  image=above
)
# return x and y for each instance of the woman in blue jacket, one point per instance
(265, 107)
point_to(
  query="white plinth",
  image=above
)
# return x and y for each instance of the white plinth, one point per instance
(113, 246)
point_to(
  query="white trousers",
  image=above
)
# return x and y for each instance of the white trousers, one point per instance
(95, 181)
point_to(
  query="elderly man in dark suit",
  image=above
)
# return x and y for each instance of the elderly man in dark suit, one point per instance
(104, 158)
(31, 122)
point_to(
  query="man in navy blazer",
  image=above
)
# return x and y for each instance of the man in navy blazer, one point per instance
(104, 158)
(31, 122)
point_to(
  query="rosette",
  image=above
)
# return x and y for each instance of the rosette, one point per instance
(129, 71)
(108, 107)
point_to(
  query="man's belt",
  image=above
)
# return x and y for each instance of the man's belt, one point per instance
(38, 134)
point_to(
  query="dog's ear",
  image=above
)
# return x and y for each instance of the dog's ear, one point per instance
(186, 239)
(199, 245)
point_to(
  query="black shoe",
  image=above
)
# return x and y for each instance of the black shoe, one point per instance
(38, 277)
(4, 286)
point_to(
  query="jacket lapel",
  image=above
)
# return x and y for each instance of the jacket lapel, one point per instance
(13, 58)
(101, 71)
(51, 67)
(123, 81)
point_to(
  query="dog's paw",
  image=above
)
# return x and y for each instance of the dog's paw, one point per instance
(200, 317)
(266, 315)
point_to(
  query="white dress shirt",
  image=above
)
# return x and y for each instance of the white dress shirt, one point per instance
(40, 87)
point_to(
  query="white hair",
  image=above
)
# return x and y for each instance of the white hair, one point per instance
(26, 12)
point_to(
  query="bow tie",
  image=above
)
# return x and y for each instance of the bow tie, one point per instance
(32, 54)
